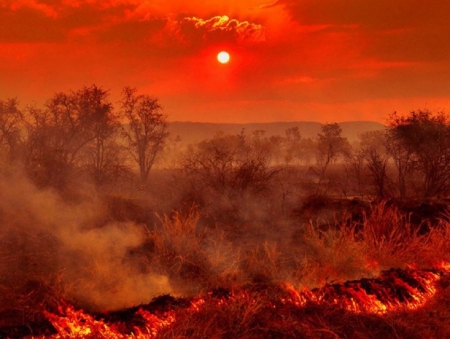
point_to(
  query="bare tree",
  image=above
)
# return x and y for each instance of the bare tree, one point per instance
(229, 165)
(72, 117)
(374, 152)
(103, 155)
(145, 129)
(58, 135)
(10, 119)
(227, 176)
(330, 145)
(293, 139)
(355, 165)
(298, 150)
(420, 143)
(37, 155)
(403, 161)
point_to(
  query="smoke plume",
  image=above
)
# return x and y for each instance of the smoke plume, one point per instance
(46, 239)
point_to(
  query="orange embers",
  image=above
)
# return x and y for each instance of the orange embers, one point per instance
(393, 290)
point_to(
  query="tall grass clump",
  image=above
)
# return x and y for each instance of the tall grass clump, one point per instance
(193, 255)
(385, 238)
(391, 238)
(436, 249)
(328, 256)
(197, 256)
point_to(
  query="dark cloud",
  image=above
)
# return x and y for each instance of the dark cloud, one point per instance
(121, 21)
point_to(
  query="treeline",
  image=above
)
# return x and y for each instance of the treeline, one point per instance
(410, 158)
(82, 134)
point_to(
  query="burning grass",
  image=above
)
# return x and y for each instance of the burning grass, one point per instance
(354, 280)
(356, 309)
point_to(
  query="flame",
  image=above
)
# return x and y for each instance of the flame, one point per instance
(76, 324)
(443, 266)
(393, 290)
(153, 322)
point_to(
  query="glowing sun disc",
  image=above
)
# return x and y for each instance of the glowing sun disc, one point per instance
(223, 57)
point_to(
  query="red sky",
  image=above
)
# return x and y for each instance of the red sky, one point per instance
(317, 60)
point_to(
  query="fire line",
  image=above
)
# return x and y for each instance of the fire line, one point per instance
(393, 290)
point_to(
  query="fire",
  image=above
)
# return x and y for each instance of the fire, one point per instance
(71, 323)
(393, 290)
(153, 322)
(444, 266)
(77, 324)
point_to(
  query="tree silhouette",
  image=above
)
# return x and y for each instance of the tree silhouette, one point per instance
(420, 144)
(10, 119)
(330, 145)
(374, 152)
(145, 129)
(58, 135)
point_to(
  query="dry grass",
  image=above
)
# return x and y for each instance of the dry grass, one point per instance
(197, 256)
(330, 256)
(204, 257)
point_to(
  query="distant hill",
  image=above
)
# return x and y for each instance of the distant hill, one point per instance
(193, 132)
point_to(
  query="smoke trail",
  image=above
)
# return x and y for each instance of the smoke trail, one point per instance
(44, 238)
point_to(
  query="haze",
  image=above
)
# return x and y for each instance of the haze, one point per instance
(291, 60)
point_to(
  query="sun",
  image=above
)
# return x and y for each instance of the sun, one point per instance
(223, 57)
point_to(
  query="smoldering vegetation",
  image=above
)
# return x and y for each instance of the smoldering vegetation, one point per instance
(102, 208)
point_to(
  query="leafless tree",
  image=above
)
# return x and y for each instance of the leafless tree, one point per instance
(10, 120)
(229, 165)
(145, 129)
(58, 136)
(355, 167)
(72, 117)
(103, 155)
(420, 145)
(36, 153)
(330, 145)
(374, 152)
(293, 139)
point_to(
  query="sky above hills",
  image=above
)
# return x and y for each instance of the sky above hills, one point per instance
(319, 60)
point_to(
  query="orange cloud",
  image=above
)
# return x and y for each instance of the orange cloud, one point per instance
(220, 29)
